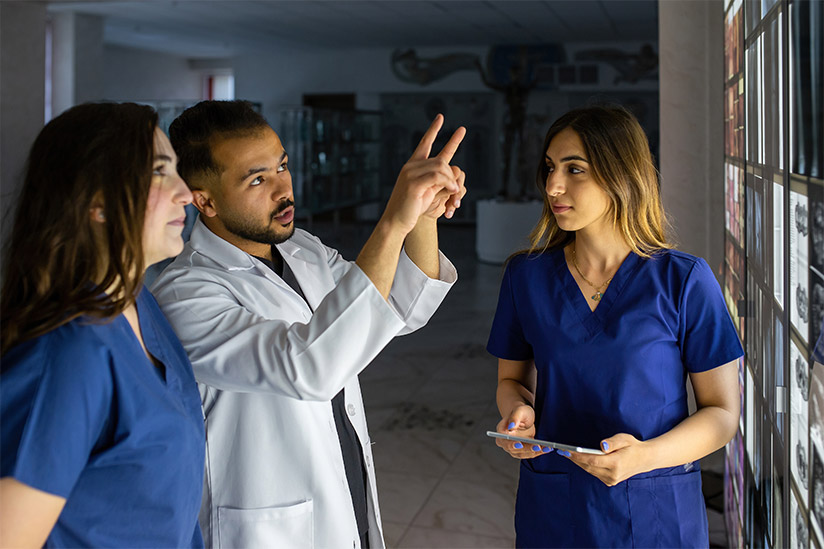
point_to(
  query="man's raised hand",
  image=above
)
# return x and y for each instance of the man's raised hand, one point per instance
(427, 185)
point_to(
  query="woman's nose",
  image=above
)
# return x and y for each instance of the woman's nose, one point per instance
(554, 185)
(184, 194)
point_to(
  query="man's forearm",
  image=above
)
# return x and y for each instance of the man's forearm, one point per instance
(379, 257)
(421, 246)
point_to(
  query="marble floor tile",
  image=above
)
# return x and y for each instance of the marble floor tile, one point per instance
(402, 495)
(480, 508)
(388, 382)
(393, 533)
(416, 451)
(481, 459)
(436, 538)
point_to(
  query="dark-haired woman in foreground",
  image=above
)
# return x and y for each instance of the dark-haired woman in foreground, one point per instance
(102, 430)
(597, 328)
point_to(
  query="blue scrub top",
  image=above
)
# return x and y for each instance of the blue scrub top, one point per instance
(88, 417)
(619, 369)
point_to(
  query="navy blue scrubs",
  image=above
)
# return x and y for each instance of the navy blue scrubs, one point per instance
(86, 416)
(619, 369)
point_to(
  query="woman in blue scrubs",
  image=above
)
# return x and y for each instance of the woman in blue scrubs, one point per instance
(102, 429)
(598, 326)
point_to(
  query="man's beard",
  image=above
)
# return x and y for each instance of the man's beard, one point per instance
(263, 235)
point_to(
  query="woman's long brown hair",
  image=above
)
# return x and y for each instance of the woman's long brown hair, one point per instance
(58, 266)
(618, 152)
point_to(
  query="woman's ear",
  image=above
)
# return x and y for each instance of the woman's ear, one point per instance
(203, 202)
(96, 212)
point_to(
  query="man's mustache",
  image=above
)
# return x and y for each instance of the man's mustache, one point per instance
(285, 204)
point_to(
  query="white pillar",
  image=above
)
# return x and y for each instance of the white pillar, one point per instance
(22, 88)
(62, 61)
(691, 46)
(77, 63)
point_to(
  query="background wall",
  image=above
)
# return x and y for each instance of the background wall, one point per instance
(138, 75)
(22, 89)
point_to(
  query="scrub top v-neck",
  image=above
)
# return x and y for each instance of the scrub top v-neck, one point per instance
(618, 369)
(88, 417)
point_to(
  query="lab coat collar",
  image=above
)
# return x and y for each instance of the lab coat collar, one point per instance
(229, 256)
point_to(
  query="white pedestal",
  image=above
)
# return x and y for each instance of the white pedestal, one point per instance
(502, 228)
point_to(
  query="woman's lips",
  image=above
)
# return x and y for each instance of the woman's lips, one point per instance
(179, 222)
(287, 216)
(560, 208)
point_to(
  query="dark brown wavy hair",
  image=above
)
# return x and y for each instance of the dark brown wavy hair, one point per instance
(58, 266)
(618, 152)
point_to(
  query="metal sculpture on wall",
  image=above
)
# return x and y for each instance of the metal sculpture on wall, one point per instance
(631, 67)
(408, 67)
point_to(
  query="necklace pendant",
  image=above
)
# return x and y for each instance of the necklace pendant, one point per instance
(597, 296)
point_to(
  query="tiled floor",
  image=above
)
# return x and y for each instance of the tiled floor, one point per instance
(430, 398)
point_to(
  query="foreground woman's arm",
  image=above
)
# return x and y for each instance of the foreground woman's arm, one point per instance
(27, 515)
(708, 429)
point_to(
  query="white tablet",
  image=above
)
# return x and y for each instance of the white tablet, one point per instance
(555, 445)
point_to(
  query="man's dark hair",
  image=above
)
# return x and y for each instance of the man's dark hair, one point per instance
(192, 134)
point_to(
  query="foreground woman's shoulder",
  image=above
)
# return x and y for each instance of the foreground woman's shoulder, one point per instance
(80, 347)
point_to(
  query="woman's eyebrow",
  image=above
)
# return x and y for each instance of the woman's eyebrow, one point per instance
(569, 158)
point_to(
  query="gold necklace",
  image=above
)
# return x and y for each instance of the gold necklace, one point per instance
(598, 293)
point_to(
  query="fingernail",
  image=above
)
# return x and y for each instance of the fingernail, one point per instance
(564, 453)
(511, 425)
(458, 204)
(605, 446)
(519, 445)
(536, 448)
(546, 449)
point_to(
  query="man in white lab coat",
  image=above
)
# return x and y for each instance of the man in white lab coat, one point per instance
(278, 326)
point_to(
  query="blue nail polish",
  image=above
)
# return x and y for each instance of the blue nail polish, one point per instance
(605, 446)
(511, 425)
(546, 449)
(564, 453)
(536, 448)
(519, 445)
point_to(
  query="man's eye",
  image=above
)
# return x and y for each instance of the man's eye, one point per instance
(283, 167)
(256, 181)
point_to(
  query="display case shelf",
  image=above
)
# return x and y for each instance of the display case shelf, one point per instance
(334, 157)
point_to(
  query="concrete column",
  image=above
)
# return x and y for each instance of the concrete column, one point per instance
(691, 46)
(62, 61)
(22, 88)
(77, 62)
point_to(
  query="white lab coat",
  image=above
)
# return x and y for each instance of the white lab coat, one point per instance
(268, 366)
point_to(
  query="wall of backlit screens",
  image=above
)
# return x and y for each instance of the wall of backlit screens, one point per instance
(774, 268)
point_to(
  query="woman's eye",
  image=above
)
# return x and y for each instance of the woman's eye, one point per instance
(283, 167)
(256, 181)
(549, 168)
(159, 170)
(575, 170)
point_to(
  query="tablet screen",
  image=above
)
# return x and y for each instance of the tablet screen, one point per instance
(555, 445)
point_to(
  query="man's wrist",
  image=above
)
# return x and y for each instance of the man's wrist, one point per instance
(389, 228)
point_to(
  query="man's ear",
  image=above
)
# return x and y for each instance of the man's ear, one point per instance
(202, 199)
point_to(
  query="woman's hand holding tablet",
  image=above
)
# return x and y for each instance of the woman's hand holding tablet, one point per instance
(545, 443)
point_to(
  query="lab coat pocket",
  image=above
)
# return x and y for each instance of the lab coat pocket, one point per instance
(542, 510)
(289, 526)
(668, 511)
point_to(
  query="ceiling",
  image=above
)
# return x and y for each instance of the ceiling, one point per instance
(223, 28)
